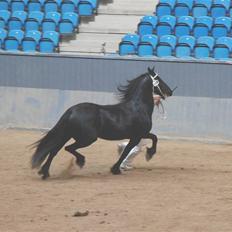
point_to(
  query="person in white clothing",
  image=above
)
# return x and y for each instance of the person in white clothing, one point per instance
(127, 162)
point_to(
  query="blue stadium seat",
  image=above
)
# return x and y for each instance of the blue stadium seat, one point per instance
(34, 5)
(207, 40)
(170, 39)
(201, 51)
(66, 27)
(202, 26)
(145, 49)
(5, 14)
(93, 2)
(29, 44)
(85, 8)
(164, 50)
(222, 48)
(147, 25)
(225, 3)
(165, 25)
(221, 52)
(3, 34)
(127, 48)
(221, 27)
(152, 39)
(150, 18)
(4, 5)
(35, 35)
(31, 24)
(163, 9)
(22, 15)
(133, 38)
(73, 17)
(170, 2)
(38, 15)
(67, 6)
(218, 10)
(55, 16)
(183, 50)
(11, 44)
(1, 42)
(46, 46)
(15, 24)
(17, 5)
(207, 20)
(181, 9)
(52, 35)
(18, 34)
(190, 40)
(207, 3)
(147, 45)
(51, 6)
(48, 25)
(199, 10)
(225, 41)
(184, 26)
(189, 3)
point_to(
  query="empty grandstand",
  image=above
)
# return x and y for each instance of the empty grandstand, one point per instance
(81, 50)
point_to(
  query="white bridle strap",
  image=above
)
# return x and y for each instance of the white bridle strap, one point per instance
(155, 82)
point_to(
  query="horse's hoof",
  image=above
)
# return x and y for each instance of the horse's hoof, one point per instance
(80, 162)
(150, 153)
(115, 171)
(44, 177)
(43, 174)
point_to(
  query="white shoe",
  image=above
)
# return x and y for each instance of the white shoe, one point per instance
(126, 167)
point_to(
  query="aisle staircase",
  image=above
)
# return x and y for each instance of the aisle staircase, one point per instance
(102, 33)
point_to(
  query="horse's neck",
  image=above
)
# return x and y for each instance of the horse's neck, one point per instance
(144, 102)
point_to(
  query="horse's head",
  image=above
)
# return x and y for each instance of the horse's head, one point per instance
(159, 86)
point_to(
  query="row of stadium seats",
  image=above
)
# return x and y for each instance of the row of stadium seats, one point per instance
(52, 21)
(195, 8)
(82, 7)
(185, 25)
(31, 41)
(181, 47)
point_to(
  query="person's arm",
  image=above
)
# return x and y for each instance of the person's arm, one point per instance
(157, 99)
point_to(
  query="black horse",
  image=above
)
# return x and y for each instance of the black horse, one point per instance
(130, 119)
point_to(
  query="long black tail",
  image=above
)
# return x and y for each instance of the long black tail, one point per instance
(52, 141)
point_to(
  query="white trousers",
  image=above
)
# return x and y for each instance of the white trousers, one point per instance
(132, 154)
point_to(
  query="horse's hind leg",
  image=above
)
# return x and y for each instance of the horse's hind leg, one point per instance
(44, 171)
(80, 159)
(132, 143)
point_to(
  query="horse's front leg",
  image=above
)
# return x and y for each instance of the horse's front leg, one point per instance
(151, 150)
(132, 143)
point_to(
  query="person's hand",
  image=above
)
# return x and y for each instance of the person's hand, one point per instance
(157, 99)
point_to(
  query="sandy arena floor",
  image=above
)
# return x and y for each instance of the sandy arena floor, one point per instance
(186, 187)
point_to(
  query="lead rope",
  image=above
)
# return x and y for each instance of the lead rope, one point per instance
(161, 113)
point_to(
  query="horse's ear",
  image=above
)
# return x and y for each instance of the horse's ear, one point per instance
(153, 69)
(149, 70)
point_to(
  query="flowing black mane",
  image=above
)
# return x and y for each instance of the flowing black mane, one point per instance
(126, 92)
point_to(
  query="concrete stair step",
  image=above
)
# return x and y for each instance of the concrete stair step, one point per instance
(96, 43)
(111, 24)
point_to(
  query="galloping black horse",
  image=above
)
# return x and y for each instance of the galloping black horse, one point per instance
(130, 119)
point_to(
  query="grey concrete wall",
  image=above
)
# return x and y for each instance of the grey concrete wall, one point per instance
(36, 90)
